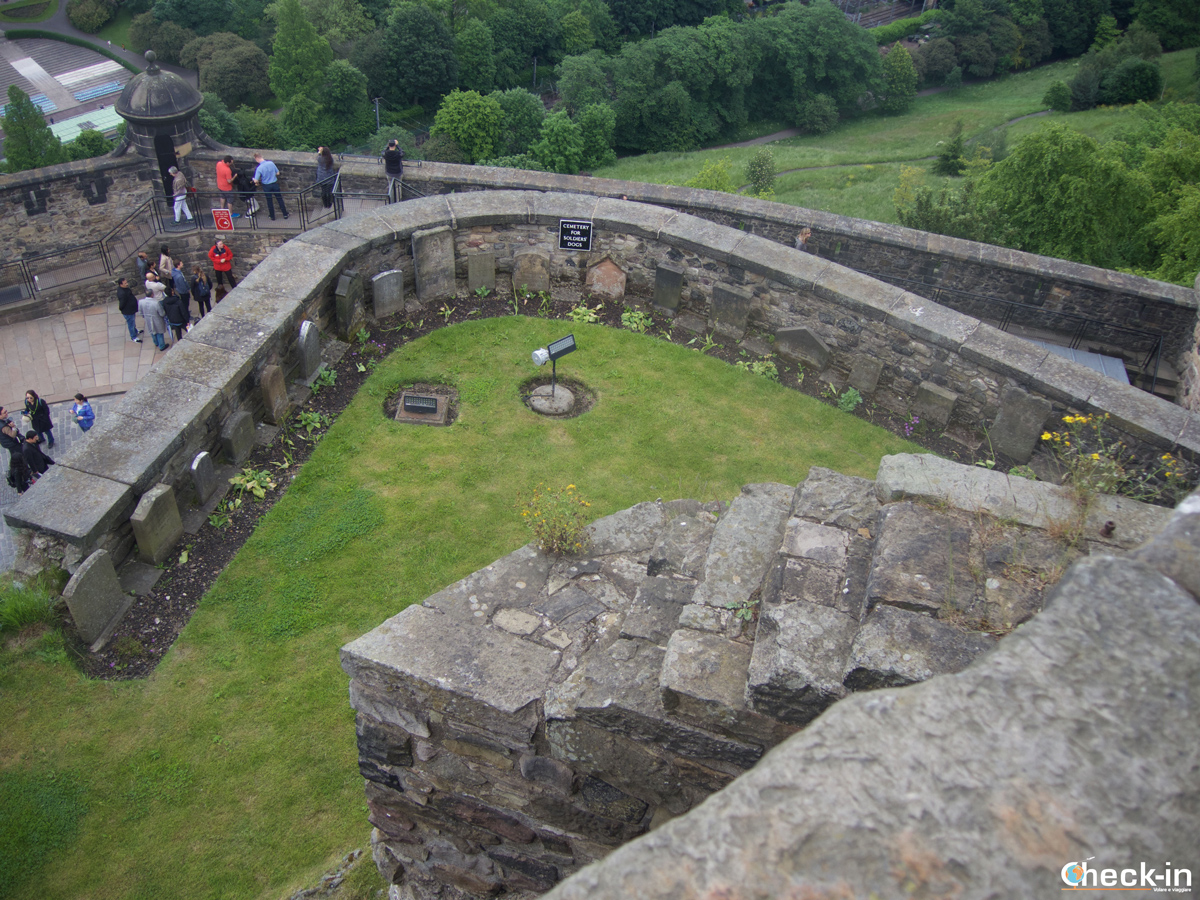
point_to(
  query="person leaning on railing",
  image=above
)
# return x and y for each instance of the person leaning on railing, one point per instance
(393, 165)
(326, 173)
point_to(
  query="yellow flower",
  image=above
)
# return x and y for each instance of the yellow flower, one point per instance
(1095, 456)
(570, 487)
(1046, 436)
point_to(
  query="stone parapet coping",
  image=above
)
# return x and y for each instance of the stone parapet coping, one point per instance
(180, 407)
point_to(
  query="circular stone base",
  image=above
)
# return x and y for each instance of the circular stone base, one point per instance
(560, 404)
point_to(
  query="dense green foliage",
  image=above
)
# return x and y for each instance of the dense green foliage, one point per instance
(899, 80)
(473, 121)
(28, 141)
(1130, 203)
(231, 67)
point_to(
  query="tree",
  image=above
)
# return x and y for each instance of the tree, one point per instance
(476, 54)
(951, 157)
(259, 128)
(378, 142)
(219, 123)
(818, 114)
(166, 39)
(338, 21)
(229, 66)
(900, 80)
(560, 147)
(1134, 79)
(522, 123)
(598, 124)
(1058, 97)
(1072, 23)
(1174, 21)
(714, 176)
(577, 33)
(300, 124)
(28, 140)
(89, 144)
(299, 55)
(90, 15)
(201, 16)
(346, 110)
(442, 148)
(411, 61)
(472, 120)
(935, 59)
(1107, 32)
(582, 81)
(760, 172)
(1178, 235)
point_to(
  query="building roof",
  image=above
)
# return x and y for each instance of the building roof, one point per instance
(156, 96)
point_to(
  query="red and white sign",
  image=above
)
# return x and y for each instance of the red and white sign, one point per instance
(223, 219)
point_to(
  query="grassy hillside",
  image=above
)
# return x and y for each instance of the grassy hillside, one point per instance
(868, 152)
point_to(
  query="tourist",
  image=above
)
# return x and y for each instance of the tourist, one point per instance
(82, 413)
(176, 313)
(182, 287)
(18, 472)
(266, 175)
(222, 263)
(164, 262)
(143, 265)
(393, 167)
(225, 181)
(179, 189)
(127, 305)
(37, 461)
(802, 239)
(154, 287)
(202, 290)
(245, 188)
(326, 175)
(38, 413)
(152, 312)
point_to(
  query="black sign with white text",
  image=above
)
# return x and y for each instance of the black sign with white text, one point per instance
(574, 235)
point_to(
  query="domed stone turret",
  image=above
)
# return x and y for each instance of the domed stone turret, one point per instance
(161, 108)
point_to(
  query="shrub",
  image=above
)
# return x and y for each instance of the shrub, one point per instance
(520, 161)
(558, 519)
(1133, 80)
(951, 158)
(760, 171)
(714, 176)
(1058, 97)
(850, 400)
(818, 114)
(442, 148)
(89, 15)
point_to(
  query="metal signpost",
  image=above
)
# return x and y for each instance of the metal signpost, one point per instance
(574, 234)
(561, 347)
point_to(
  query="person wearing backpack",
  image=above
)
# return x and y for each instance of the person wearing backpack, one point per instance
(202, 290)
(393, 166)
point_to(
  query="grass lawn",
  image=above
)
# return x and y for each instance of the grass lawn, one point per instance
(886, 141)
(231, 773)
(117, 29)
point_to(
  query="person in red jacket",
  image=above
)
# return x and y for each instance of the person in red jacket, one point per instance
(222, 262)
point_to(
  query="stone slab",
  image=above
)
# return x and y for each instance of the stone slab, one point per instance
(96, 600)
(97, 505)
(157, 526)
(246, 339)
(864, 374)
(744, 545)
(138, 577)
(730, 310)
(387, 293)
(126, 449)
(481, 272)
(308, 349)
(531, 270)
(237, 437)
(819, 543)
(922, 561)
(668, 286)
(606, 280)
(803, 346)
(896, 647)
(934, 405)
(656, 608)
(630, 530)
(275, 395)
(799, 658)
(433, 261)
(1019, 424)
(832, 498)
(683, 546)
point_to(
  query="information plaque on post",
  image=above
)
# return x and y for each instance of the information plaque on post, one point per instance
(574, 234)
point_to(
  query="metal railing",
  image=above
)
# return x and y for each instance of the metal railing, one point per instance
(1143, 347)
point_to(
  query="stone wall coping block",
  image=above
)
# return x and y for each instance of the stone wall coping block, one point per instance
(1008, 355)
(837, 284)
(1143, 415)
(330, 239)
(475, 208)
(930, 322)
(128, 450)
(297, 269)
(206, 365)
(31, 178)
(638, 219)
(234, 331)
(94, 505)
(718, 242)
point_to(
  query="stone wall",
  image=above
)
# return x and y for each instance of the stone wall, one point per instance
(586, 700)
(829, 316)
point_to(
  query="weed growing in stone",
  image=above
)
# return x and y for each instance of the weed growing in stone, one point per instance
(221, 516)
(558, 519)
(362, 336)
(546, 304)
(482, 292)
(911, 425)
(311, 421)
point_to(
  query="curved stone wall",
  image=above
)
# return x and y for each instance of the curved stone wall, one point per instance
(823, 313)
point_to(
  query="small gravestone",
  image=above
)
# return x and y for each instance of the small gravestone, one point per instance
(96, 600)
(237, 437)
(387, 293)
(204, 476)
(309, 346)
(1019, 425)
(481, 272)
(730, 310)
(531, 269)
(433, 259)
(157, 526)
(275, 395)
(668, 286)
(605, 279)
(934, 404)
(348, 300)
(802, 346)
(864, 375)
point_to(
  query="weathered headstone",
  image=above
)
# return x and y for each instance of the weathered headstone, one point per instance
(387, 293)
(730, 310)
(275, 395)
(96, 600)
(157, 526)
(668, 286)
(481, 271)
(1018, 427)
(605, 279)
(531, 269)
(433, 258)
(864, 374)
(348, 299)
(309, 347)
(802, 346)
(237, 437)
(204, 476)
(934, 404)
